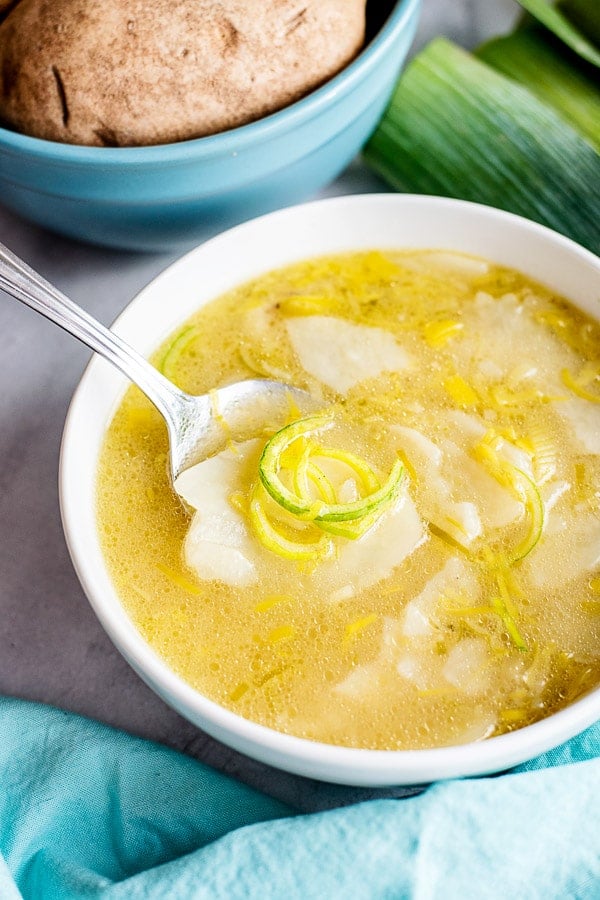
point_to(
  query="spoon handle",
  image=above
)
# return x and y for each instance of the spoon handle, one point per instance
(26, 285)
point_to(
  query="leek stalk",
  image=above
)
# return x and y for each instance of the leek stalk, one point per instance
(585, 15)
(517, 128)
(555, 21)
(527, 57)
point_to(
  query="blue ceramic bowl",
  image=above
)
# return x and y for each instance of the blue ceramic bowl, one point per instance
(163, 197)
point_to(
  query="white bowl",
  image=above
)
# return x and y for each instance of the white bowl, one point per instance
(329, 226)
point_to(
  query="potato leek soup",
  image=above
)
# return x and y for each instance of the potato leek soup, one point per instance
(414, 564)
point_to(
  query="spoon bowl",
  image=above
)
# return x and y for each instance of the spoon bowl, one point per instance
(198, 426)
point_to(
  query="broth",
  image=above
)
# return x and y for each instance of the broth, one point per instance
(471, 606)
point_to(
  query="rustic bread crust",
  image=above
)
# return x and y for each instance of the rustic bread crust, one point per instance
(138, 72)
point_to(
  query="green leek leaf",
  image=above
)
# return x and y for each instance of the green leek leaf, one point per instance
(553, 19)
(458, 128)
(527, 56)
(585, 15)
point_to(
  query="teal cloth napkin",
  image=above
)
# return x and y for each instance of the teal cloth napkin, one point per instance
(90, 812)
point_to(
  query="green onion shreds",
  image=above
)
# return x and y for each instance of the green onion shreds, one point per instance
(458, 128)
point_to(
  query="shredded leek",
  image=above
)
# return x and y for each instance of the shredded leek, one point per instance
(500, 607)
(239, 691)
(321, 482)
(510, 716)
(461, 391)
(504, 591)
(355, 529)
(509, 624)
(507, 397)
(439, 333)
(273, 539)
(360, 468)
(308, 470)
(282, 633)
(179, 580)
(355, 628)
(270, 602)
(308, 305)
(544, 456)
(260, 366)
(578, 384)
(309, 498)
(503, 604)
(523, 487)
(270, 463)
(447, 538)
(315, 510)
(176, 349)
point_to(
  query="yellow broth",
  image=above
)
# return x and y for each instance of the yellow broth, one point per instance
(505, 645)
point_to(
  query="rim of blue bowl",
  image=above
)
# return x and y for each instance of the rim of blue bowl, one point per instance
(238, 138)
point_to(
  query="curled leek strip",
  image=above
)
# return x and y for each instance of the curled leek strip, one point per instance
(525, 489)
(176, 349)
(534, 507)
(365, 473)
(277, 542)
(355, 529)
(270, 464)
(309, 470)
(319, 511)
(578, 385)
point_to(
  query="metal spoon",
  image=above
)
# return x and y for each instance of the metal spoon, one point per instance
(198, 426)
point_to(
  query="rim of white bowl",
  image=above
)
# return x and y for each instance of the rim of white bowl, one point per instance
(234, 139)
(301, 756)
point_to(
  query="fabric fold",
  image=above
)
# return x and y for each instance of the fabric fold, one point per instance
(90, 812)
